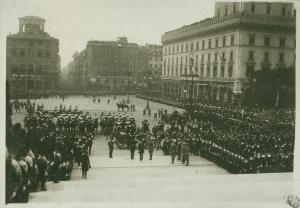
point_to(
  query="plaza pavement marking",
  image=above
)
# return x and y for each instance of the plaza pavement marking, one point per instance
(149, 166)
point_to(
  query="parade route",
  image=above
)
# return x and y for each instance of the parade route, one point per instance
(122, 182)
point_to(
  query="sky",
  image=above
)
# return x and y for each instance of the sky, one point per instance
(75, 22)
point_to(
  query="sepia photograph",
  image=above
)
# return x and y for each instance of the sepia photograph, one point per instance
(149, 103)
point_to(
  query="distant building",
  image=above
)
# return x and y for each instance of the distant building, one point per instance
(33, 61)
(225, 50)
(115, 66)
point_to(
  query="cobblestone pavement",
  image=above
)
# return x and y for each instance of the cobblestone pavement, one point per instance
(122, 182)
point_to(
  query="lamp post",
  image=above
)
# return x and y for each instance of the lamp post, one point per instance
(191, 63)
(147, 71)
(128, 85)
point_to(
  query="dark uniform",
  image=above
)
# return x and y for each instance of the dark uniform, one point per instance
(173, 150)
(42, 164)
(141, 148)
(85, 164)
(111, 147)
(151, 148)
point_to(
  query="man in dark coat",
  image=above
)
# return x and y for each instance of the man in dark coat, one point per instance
(111, 142)
(85, 164)
(57, 161)
(132, 146)
(42, 164)
(173, 150)
(141, 148)
(151, 147)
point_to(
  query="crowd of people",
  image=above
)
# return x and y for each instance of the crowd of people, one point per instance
(46, 148)
(237, 140)
(240, 142)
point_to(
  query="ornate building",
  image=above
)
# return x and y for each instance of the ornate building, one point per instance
(220, 54)
(33, 62)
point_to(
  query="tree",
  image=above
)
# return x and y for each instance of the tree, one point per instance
(272, 88)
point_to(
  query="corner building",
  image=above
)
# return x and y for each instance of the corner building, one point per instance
(33, 61)
(111, 65)
(221, 53)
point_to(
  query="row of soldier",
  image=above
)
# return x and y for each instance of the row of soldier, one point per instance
(42, 152)
(239, 147)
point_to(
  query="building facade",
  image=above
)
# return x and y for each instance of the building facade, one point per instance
(33, 61)
(111, 65)
(115, 66)
(214, 59)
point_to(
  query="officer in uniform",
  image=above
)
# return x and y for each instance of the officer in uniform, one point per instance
(57, 161)
(185, 153)
(42, 164)
(132, 146)
(173, 150)
(111, 142)
(141, 148)
(151, 147)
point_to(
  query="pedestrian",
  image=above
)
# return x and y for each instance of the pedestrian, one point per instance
(111, 142)
(151, 147)
(85, 164)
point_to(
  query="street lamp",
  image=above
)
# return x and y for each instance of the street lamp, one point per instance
(191, 63)
(128, 85)
(147, 71)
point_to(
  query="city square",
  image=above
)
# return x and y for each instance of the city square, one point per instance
(190, 110)
(148, 180)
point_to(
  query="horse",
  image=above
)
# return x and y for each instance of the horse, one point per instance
(122, 106)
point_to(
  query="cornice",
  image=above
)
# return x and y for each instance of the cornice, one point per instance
(237, 21)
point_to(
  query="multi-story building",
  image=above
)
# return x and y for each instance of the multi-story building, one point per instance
(220, 54)
(111, 65)
(33, 62)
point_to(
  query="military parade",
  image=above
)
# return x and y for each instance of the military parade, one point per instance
(169, 113)
(52, 142)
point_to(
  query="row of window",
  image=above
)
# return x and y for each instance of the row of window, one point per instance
(217, 56)
(267, 41)
(268, 9)
(253, 8)
(155, 58)
(190, 47)
(31, 43)
(113, 73)
(195, 46)
(179, 71)
(155, 66)
(23, 53)
(266, 56)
